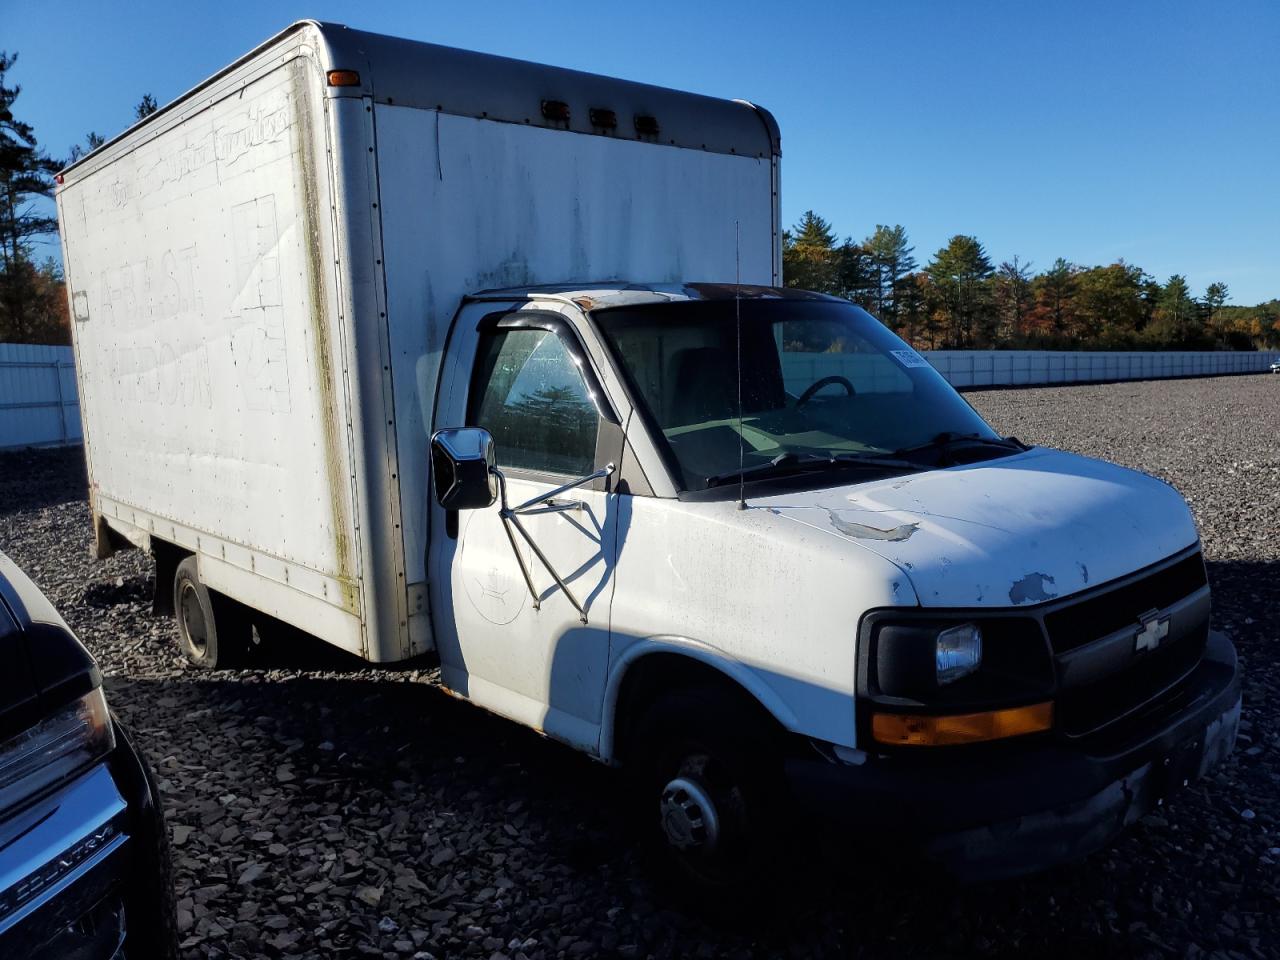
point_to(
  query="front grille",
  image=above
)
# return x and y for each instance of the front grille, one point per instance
(1080, 623)
(1145, 681)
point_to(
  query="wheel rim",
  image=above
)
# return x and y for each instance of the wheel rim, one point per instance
(703, 818)
(689, 818)
(194, 625)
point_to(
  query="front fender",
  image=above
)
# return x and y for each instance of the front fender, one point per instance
(751, 680)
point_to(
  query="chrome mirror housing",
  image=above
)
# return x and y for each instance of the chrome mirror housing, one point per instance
(463, 466)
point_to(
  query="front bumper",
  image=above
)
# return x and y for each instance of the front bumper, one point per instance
(79, 868)
(1008, 809)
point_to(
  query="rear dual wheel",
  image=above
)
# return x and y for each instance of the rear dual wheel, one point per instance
(213, 631)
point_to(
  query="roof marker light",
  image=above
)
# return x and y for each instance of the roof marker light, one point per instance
(343, 78)
(646, 126)
(606, 119)
(555, 110)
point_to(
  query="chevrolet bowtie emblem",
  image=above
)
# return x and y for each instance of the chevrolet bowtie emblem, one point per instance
(1152, 630)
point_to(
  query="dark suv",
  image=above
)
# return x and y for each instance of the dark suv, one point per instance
(84, 857)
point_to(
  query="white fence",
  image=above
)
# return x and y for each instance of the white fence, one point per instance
(873, 373)
(38, 405)
(985, 368)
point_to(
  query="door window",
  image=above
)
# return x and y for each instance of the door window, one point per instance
(529, 393)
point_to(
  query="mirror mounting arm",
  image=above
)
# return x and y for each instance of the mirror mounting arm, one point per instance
(549, 496)
(511, 519)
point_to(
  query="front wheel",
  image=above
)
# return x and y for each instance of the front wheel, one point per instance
(213, 631)
(707, 775)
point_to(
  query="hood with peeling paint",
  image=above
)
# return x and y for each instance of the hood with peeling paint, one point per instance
(1007, 532)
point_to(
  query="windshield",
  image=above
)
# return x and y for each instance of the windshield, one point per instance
(820, 379)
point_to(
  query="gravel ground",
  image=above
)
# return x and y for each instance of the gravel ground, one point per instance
(347, 812)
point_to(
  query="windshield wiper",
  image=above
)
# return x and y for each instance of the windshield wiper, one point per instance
(785, 464)
(947, 439)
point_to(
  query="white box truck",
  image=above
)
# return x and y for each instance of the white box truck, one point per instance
(433, 353)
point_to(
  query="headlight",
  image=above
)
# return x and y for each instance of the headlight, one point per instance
(958, 653)
(54, 749)
(937, 677)
(967, 662)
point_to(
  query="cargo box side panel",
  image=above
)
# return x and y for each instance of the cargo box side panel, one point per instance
(472, 204)
(200, 268)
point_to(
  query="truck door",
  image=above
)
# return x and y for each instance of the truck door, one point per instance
(527, 654)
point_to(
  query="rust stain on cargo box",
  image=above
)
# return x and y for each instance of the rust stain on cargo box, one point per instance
(334, 428)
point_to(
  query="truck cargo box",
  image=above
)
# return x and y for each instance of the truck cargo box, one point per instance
(263, 274)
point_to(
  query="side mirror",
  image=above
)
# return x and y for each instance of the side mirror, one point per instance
(462, 468)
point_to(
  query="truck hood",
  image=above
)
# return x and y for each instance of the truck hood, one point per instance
(1008, 532)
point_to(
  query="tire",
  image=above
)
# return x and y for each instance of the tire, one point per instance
(213, 631)
(707, 786)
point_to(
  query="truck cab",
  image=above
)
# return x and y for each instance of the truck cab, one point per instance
(747, 543)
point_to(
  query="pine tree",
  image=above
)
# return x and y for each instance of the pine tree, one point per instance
(813, 230)
(26, 174)
(1013, 299)
(1215, 296)
(959, 272)
(1177, 320)
(891, 261)
(145, 108)
(91, 143)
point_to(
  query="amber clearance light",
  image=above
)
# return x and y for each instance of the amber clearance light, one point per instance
(343, 78)
(919, 730)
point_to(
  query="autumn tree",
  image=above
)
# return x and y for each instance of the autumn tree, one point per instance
(43, 317)
(960, 300)
(813, 259)
(1055, 309)
(1108, 304)
(1249, 328)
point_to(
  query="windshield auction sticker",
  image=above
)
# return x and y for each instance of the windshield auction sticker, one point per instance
(909, 358)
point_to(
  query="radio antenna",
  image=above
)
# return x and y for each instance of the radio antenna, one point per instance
(737, 319)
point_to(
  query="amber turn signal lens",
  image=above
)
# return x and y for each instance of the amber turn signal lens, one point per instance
(918, 730)
(343, 78)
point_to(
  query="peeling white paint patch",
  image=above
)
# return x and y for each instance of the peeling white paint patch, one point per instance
(862, 531)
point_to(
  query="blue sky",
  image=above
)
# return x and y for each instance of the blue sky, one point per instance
(1087, 130)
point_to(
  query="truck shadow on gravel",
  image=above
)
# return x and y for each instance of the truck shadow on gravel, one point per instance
(463, 822)
(34, 479)
(510, 833)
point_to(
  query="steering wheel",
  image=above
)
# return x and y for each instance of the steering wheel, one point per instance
(824, 382)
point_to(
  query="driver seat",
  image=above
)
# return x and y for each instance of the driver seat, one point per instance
(705, 386)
